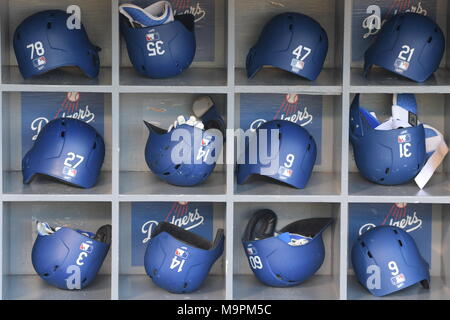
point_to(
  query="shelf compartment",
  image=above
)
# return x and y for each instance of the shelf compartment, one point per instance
(250, 18)
(136, 222)
(324, 285)
(96, 18)
(209, 65)
(160, 110)
(427, 223)
(321, 115)
(361, 40)
(20, 280)
(25, 113)
(432, 110)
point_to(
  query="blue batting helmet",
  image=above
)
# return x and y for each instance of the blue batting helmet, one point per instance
(290, 41)
(67, 149)
(409, 44)
(178, 260)
(43, 42)
(287, 257)
(67, 258)
(386, 259)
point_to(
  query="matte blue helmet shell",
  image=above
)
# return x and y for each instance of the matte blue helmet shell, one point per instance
(290, 41)
(70, 259)
(386, 259)
(377, 153)
(178, 260)
(286, 259)
(42, 42)
(295, 143)
(176, 41)
(409, 44)
(67, 149)
(202, 144)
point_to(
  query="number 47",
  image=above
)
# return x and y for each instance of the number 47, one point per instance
(298, 52)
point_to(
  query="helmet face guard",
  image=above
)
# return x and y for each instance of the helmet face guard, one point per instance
(388, 157)
(296, 154)
(42, 42)
(67, 149)
(386, 259)
(286, 258)
(70, 259)
(178, 260)
(184, 156)
(161, 51)
(409, 44)
(290, 41)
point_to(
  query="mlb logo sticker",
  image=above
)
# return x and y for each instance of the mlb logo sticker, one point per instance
(401, 65)
(86, 247)
(251, 251)
(404, 138)
(71, 172)
(285, 172)
(152, 36)
(398, 280)
(181, 253)
(297, 64)
(205, 142)
(39, 62)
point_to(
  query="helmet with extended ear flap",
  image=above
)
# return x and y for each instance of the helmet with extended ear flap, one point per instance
(386, 259)
(68, 258)
(387, 157)
(184, 155)
(294, 159)
(288, 257)
(290, 41)
(409, 44)
(66, 149)
(43, 42)
(161, 48)
(178, 260)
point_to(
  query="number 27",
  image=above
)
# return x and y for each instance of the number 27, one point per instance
(71, 157)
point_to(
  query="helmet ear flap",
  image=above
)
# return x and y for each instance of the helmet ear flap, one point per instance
(261, 225)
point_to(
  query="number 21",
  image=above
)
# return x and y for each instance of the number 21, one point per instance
(408, 51)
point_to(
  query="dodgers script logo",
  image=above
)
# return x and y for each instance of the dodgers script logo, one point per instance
(197, 217)
(187, 6)
(39, 108)
(178, 215)
(397, 217)
(289, 110)
(69, 108)
(373, 22)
